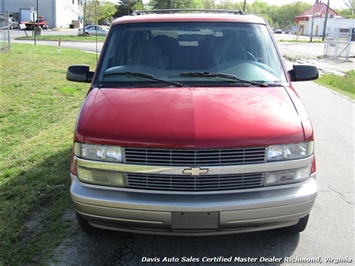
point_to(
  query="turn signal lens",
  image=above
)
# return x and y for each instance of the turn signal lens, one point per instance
(100, 177)
(288, 176)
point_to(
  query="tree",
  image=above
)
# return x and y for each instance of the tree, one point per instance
(229, 5)
(208, 4)
(287, 13)
(125, 7)
(351, 5)
(94, 11)
(97, 11)
(278, 17)
(350, 12)
(175, 4)
(106, 12)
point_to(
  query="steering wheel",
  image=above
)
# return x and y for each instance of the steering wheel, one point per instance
(250, 56)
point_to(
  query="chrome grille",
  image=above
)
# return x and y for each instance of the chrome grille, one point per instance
(194, 183)
(192, 157)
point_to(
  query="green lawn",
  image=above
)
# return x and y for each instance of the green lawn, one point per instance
(342, 84)
(71, 38)
(38, 109)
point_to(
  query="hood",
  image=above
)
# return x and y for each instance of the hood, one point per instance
(189, 117)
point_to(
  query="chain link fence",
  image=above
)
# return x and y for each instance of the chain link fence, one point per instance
(4, 32)
(339, 45)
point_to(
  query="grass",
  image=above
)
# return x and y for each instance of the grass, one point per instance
(342, 84)
(70, 38)
(38, 108)
(300, 40)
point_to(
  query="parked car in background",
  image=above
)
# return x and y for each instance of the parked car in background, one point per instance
(2, 21)
(29, 25)
(191, 126)
(94, 30)
(13, 23)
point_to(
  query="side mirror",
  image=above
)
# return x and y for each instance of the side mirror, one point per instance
(303, 73)
(79, 73)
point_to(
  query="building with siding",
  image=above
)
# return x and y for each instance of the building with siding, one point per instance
(316, 15)
(57, 13)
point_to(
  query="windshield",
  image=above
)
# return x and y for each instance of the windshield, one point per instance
(189, 54)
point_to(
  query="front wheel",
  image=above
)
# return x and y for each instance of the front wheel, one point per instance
(297, 228)
(85, 226)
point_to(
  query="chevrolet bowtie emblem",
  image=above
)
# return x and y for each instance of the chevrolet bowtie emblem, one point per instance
(195, 171)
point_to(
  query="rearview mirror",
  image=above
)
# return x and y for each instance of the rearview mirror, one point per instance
(79, 73)
(303, 73)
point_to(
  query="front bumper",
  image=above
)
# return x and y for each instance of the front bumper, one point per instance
(194, 213)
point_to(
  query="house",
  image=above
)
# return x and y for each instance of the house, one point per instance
(315, 15)
(57, 13)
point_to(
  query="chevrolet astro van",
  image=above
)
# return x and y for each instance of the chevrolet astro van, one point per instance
(191, 127)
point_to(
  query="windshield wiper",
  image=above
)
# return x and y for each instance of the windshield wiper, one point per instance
(144, 76)
(224, 76)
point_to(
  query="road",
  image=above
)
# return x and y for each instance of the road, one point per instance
(87, 46)
(328, 238)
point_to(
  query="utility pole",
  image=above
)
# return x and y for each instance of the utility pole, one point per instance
(313, 15)
(245, 2)
(325, 21)
(36, 27)
(84, 14)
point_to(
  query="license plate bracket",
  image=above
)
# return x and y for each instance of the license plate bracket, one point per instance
(195, 220)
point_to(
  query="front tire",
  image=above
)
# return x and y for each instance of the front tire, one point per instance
(297, 228)
(85, 226)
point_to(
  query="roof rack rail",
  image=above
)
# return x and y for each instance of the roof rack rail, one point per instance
(186, 10)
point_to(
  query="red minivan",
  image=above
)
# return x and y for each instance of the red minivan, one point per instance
(191, 127)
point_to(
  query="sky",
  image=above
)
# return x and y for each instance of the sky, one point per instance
(336, 4)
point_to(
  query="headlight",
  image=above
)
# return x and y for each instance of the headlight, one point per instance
(290, 151)
(98, 152)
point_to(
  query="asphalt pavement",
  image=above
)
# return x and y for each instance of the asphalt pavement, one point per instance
(312, 53)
